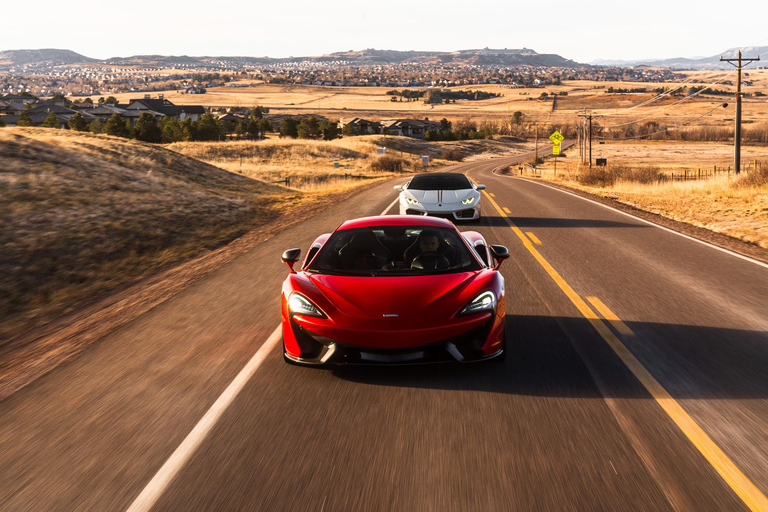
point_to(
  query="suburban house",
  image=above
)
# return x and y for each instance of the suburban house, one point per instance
(160, 108)
(408, 127)
(362, 126)
(18, 101)
(39, 113)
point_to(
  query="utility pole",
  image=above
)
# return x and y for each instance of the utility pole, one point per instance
(737, 129)
(588, 135)
(590, 141)
(536, 158)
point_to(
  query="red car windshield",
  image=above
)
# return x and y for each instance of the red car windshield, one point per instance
(394, 250)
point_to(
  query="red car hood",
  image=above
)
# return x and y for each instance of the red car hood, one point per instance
(371, 298)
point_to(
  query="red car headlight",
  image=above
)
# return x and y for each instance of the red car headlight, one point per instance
(300, 305)
(485, 301)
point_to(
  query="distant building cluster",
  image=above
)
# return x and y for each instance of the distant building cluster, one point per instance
(12, 106)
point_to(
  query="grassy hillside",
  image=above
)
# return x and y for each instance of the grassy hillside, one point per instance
(308, 164)
(81, 214)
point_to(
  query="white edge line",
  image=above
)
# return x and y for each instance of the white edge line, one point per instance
(391, 205)
(160, 482)
(722, 249)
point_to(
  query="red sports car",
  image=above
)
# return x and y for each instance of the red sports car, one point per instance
(394, 290)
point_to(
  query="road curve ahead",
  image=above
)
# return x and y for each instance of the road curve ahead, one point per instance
(636, 380)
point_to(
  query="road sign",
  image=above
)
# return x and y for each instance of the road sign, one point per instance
(556, 149)
(557, 137)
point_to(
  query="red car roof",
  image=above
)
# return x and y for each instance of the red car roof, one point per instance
(396, 220)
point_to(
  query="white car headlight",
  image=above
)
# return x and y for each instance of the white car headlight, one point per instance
(411, 200)
(469, 200)
(301, 305)
(486, 301)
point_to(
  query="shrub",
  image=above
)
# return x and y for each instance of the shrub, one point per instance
(454, 155)
(645, 174)
(388, 163)
(596, 177)
(755, 178)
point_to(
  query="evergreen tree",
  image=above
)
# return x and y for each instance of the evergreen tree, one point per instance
(309, 128)
(265, 125)
(172, 130)
(96, 126)
(116, 126)
(24, 119)
(330, 130)
(189, 129)
(147, 130)
(2, 123)
(52, 121)
(289, 128)
(209, 128)
(77, 123)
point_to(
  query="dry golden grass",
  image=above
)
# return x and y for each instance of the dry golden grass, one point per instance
(83, 213)
(728, 205)
(309, 165)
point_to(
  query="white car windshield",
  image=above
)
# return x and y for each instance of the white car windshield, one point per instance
(439, 182)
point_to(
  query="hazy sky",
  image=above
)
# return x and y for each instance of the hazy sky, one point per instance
(583, 30)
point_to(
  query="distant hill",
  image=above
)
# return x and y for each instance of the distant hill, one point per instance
(712, 62)
(43, 56)
(479, 57)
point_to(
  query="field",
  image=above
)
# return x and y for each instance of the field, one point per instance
(374, 103)
(734, 206)
(309, 165)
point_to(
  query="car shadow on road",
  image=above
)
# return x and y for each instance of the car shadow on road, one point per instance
(552, 356)
(546, 222)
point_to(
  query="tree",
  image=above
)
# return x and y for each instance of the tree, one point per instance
(330, 130)
(115, 126)
(77, 123)
(265, 125)
(253, 127)
(147, 130)
(257, 112)
(289, 128)
(445, 125)
(517, 117)
(350, 129)
(309, 128)
(209, 128)
(172, 131)
(96, 126)
(111, 100)
(24, 119)
(2, 123)
(58, 96)
(88, 101)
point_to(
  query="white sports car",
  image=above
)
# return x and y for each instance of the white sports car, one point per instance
(441, 194)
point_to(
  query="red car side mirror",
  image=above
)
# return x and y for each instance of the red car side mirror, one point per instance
(499, 253)
(290, 257)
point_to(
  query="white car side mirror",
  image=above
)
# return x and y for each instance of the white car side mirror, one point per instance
(480, 187)
(398, 187)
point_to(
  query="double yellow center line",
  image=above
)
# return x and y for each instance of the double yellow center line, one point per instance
(741, 485)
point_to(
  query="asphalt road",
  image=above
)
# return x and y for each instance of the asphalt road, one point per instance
(665, 409)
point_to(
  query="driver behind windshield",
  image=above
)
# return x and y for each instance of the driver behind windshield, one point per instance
(429, 258)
